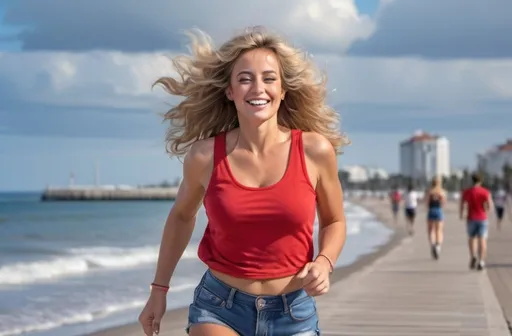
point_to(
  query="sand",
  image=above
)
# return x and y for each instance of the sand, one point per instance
(174, 321)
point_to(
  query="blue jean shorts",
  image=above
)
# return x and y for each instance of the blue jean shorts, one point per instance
(477, 229)
(292, 314)
(435, 214)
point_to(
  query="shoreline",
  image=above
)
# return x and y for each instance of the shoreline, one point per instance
(176, 319)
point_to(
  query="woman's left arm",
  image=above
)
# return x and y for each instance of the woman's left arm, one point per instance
(331, 215)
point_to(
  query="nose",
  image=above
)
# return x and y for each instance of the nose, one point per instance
(258, 86)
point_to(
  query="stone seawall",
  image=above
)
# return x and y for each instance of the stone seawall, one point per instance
(101, 194)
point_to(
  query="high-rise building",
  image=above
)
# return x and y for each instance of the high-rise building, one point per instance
(424, 156)
(493, 160)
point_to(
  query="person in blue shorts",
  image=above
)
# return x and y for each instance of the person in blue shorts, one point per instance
(435, 199)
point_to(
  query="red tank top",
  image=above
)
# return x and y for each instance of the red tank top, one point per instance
(259, 233)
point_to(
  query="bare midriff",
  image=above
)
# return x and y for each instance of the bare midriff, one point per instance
(275, 286)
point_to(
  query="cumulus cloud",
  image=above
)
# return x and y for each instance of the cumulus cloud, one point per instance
(441, 29)
(95, 79)
(94, 93)
(128, 25)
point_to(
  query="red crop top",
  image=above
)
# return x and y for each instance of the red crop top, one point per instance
(259, 233)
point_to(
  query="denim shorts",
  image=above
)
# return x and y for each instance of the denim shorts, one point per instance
(292, 314)
(477, 228)
(435, 214)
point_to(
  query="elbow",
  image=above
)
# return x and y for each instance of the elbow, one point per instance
(337, 224)
(177, 217)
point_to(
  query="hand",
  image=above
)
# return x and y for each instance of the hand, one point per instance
(152, 314)
(315, 277)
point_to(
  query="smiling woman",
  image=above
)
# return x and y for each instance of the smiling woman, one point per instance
(260, 147)
(206, 75)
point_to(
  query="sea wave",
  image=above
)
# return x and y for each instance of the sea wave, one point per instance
(50, 320)
(82, 260)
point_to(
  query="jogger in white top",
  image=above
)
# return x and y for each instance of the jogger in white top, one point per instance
(411, 203)
(501, 200)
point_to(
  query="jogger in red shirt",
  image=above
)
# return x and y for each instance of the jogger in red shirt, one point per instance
(478, 201)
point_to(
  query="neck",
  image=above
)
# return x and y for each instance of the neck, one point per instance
(258, 139)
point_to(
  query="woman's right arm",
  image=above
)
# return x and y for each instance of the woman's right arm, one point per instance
(180, 222)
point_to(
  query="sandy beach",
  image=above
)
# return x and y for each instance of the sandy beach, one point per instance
(174, 321)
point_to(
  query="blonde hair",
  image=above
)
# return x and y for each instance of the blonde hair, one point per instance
(436, 181)
(204, 76)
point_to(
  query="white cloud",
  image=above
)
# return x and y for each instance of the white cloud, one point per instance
(128, 25)
(102, 79)
(402, 80)
(118, 80)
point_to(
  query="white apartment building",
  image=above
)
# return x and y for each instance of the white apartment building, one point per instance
(424, 156)
(362, 173)
(493, 160)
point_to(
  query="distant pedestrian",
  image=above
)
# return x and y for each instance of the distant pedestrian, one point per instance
(478, 201)
(435, 199)
(501, 201)
(411, 203)
(395, 198)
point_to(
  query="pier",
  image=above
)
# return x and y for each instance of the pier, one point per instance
(109, 194)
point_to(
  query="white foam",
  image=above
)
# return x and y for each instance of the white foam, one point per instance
(45, 321)
(49, 324)
(82, 260)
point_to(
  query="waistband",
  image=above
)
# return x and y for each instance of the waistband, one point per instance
(261, 302)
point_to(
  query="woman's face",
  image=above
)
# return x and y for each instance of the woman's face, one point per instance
(255, 86)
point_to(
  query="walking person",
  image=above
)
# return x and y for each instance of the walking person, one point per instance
(435, 199)
(260, 146)
(478, 201)
(501, 202)
(411, 203)
(395, 197)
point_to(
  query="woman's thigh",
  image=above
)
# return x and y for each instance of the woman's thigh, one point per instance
(210, 329)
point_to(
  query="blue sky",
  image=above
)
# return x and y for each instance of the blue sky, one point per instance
(74, 84)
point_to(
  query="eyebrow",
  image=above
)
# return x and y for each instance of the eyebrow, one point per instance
(247, 72)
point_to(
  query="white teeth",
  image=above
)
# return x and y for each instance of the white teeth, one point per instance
(258, 102)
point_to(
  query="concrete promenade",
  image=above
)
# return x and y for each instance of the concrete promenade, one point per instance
(406, 292)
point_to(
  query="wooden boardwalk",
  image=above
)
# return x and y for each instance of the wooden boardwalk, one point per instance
(406, 292)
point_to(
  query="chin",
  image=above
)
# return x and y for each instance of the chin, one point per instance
(258, 117)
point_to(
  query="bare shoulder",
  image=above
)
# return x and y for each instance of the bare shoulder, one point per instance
(201, 152)
(198, 162)
(318, 148)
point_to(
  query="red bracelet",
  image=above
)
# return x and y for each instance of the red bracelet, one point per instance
(159, 287)
(329, 260)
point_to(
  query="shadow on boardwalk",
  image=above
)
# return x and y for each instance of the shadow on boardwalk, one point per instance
(406, 292)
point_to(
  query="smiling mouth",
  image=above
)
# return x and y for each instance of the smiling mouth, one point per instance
(258, 102)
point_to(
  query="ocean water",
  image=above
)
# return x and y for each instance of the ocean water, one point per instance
(73, 268)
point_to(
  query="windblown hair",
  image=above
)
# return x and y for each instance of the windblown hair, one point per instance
(204, 77)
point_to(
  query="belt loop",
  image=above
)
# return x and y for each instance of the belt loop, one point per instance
(285, 303)
(229, 303)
